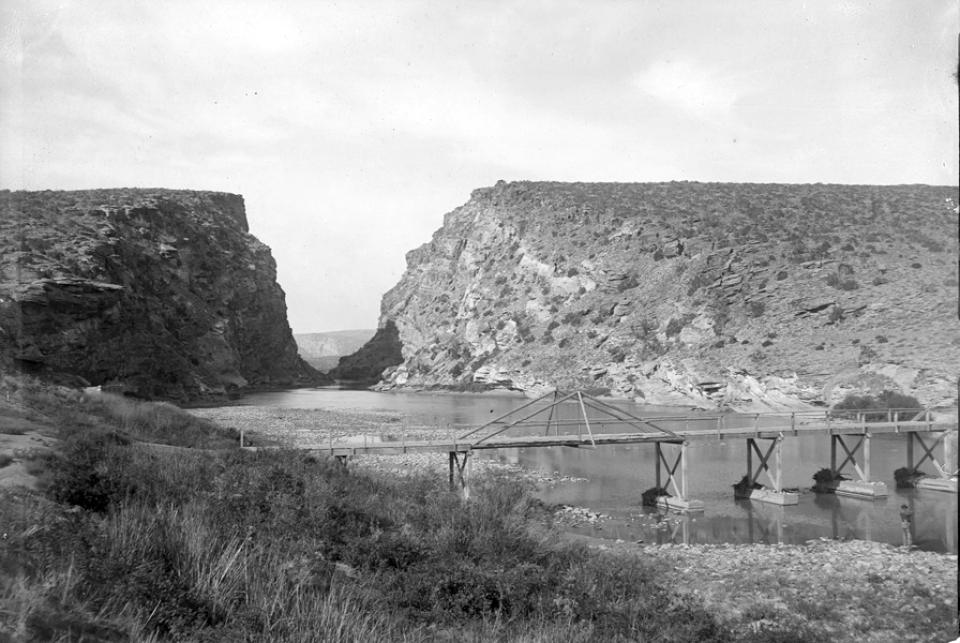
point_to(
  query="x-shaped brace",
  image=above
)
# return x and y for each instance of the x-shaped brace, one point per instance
(762, 466)
(928, 454)
(671, 469)
(458, 465)
(851, 455)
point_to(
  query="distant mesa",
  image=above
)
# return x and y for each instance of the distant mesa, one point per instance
(324, 350)
(155, 293)
(750, 296)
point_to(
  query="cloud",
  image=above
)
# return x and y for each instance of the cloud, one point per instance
(692, 87)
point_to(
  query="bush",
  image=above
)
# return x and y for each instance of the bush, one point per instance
(877, 408)
(87, 471)
(674, 326)
(756, 308)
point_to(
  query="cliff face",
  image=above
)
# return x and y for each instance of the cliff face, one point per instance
(381, 352)
(163, 293)
(746, 295)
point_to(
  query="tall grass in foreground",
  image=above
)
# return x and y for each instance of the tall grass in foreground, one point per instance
(278, 546)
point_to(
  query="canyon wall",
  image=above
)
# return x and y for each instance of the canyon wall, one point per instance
(749, 296)
(157, 293)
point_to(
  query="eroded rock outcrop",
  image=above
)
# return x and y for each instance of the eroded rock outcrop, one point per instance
(160, 293)
(744, 295)
(383, 351)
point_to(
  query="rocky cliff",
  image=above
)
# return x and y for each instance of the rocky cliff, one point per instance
(161, 293)
(743, 295)
(383, 351)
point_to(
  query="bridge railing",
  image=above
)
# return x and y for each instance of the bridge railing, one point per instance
(628, 423)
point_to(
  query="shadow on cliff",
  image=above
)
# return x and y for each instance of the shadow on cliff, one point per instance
(365, 366)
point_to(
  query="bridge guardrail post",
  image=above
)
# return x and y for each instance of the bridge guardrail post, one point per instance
(658, 458)
(778, 464)
(833, 455)
(910, 437)
(866, 456)
(683, 470)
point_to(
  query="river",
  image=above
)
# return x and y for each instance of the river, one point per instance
(610, 479)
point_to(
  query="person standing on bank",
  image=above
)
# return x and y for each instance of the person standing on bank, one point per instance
(906, 522)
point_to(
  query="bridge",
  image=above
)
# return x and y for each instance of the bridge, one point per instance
(596, 423)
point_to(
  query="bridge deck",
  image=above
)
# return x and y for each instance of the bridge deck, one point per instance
(585, 440)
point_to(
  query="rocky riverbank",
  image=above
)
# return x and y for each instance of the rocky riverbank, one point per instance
(849, 591)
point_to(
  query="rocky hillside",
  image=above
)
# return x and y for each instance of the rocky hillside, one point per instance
(160, 293)
(746, 295)
(324, 350)
(381, 352)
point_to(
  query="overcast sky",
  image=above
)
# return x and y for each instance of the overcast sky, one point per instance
(352, 127)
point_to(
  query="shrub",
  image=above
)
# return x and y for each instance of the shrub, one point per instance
(617, 354)
(87, 471)
(573, 319)
(876, 408)
(867, 354)
(756, 308)
(674, 326)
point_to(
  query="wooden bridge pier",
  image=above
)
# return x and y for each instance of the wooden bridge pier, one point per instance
(458, 471)
(946, 478)
(676, 484)
(856, 450)
(773, 494)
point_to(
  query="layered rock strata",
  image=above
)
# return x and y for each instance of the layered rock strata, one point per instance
(158, 293)
(741, 295)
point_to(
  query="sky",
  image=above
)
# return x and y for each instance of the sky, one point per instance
(351, 127)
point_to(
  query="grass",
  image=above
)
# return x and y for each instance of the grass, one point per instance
(278, 546)
(126, 541)
(72, 411)
(131, 542)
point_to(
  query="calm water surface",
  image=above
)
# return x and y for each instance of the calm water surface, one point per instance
(613, 477)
